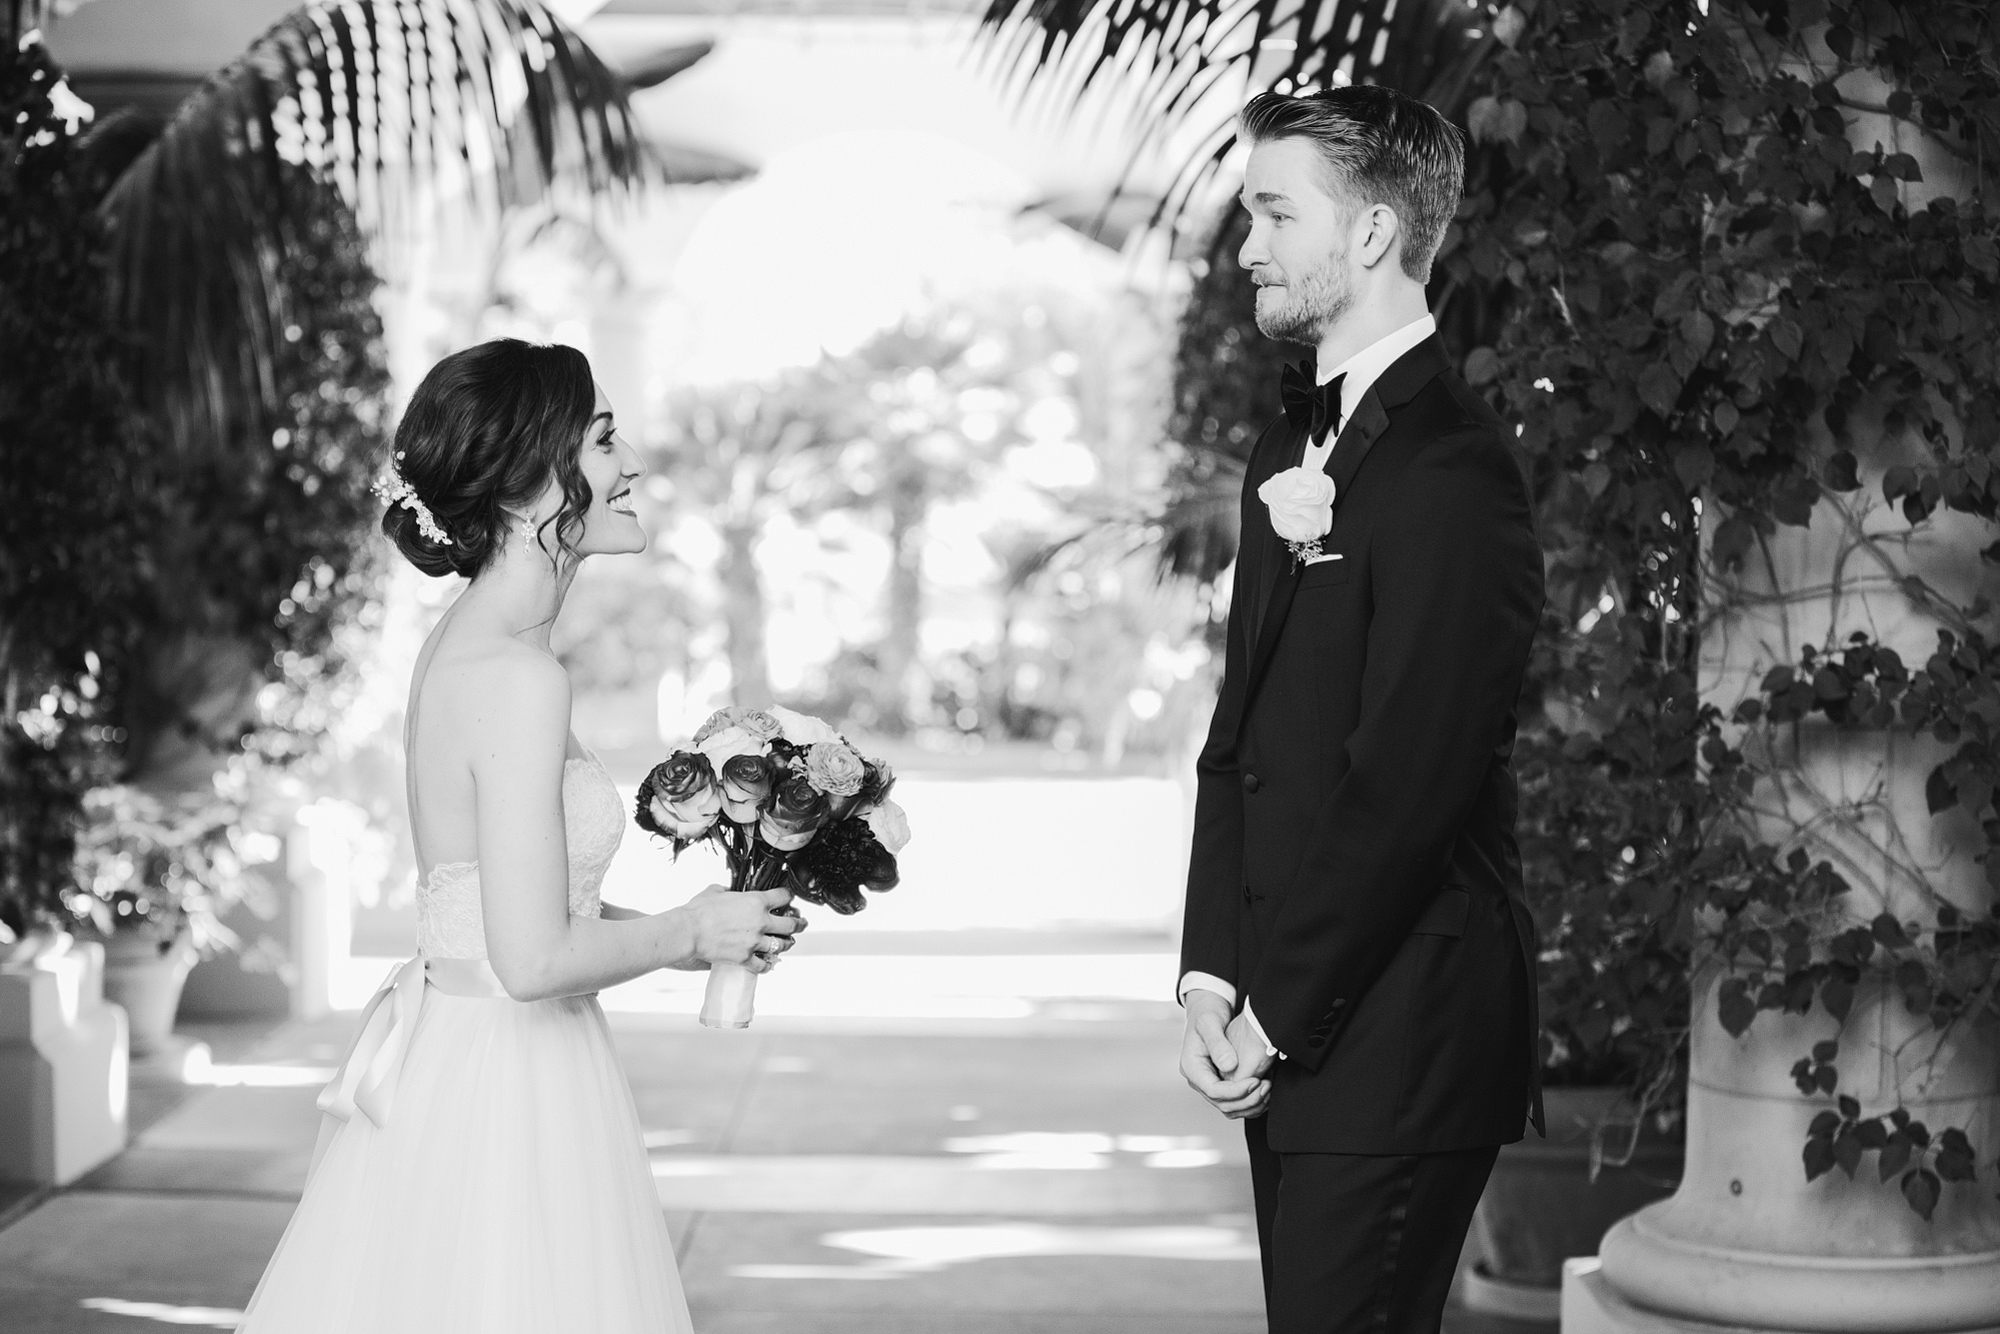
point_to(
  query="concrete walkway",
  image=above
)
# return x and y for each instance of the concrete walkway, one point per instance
(876, 1174)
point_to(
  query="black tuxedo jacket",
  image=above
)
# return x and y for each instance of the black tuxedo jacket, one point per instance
(1354, 870)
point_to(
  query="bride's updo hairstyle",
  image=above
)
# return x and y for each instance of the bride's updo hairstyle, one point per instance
(482, 436)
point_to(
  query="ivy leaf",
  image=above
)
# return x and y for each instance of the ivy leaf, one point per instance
(1660, 388)
(1843, 474)
(1837, 995)
(1827, 1078)
(1733, 537)
(1888, 930)
(1920, 1188)
(1735, 1008)
(1954, 1160)
(1483, 366)
(1699, 331)
(1981, 254)
(1824, 1125)
(1482, 119)
(1694, 465)
(1939, 793)
(1847, 1152)
(1895, 1155)
(1786, 336)
(1849, 1108)
(1818, 1157)
(1606, 120)
(1825, 1051)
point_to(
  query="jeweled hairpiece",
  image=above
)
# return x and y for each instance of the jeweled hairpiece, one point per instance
(396, 490)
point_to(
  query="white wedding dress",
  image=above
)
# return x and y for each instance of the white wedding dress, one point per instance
(481, 1169)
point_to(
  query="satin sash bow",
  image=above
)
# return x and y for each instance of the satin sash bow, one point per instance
(1310, 407)
(366, 1080)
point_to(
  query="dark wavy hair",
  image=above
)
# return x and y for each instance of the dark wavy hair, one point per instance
(484, 433)
(1382, 146)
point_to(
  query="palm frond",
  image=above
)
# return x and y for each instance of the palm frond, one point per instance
(402, 104)
(1176, 56)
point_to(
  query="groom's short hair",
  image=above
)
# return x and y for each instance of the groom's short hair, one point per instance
(1381, 147)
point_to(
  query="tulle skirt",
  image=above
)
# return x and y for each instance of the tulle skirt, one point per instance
(508, 1192)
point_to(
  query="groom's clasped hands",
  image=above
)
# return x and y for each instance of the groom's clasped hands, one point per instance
(1222, 1058)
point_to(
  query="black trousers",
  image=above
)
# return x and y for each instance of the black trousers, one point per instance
(1360, 1244)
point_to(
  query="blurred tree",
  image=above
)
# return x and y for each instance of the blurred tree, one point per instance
(76, 491)
(238, 233)
(268, 550)
(234, 235)
(931, 401)
(730, 455)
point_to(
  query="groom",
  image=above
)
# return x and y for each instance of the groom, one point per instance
(1357, 960)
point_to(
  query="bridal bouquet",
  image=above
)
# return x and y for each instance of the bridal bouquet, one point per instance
(788, 801)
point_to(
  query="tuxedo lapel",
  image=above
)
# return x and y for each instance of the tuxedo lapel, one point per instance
(1262, 550)
(1279, 580)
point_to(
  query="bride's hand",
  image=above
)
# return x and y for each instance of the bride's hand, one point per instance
(747, 929)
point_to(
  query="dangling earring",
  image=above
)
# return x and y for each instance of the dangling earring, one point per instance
(528, 534)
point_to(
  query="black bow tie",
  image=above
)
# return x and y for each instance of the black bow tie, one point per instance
(1310, 407)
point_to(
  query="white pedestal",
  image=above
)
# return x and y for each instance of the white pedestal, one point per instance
(1747, 1242)
(63, 1067)
(1590, 1305)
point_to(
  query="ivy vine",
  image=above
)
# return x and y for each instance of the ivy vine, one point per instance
(1734, 300)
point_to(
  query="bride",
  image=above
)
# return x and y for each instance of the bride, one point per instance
(480, 1168)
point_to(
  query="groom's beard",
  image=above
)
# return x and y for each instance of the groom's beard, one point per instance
(1314, 301)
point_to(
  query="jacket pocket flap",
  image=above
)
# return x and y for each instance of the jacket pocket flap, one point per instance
(1446, 915)
(1321, 573)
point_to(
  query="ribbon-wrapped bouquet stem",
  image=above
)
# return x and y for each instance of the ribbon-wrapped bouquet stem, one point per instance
(788, 801)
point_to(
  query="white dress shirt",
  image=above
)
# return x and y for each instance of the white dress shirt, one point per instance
(1362, 370)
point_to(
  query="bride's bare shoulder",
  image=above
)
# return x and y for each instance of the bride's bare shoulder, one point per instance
(497, 674)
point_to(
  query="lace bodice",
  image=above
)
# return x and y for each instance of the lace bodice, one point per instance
(450, 924)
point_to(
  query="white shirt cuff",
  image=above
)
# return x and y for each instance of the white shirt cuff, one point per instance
(1194, 980)
(1257, 1031)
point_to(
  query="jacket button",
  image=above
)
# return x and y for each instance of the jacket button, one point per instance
(1251, 782)
(1315, 1041)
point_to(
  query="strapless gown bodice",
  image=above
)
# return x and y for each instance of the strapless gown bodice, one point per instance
(450, 923)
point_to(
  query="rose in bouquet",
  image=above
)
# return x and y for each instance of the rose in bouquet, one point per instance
(787, 799)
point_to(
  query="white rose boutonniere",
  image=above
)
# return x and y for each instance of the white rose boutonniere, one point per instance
(1301, 504)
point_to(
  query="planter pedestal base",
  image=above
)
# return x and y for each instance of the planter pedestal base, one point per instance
(62, 1067)
(1590, 1305)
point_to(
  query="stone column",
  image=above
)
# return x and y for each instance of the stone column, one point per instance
(1747, 1243)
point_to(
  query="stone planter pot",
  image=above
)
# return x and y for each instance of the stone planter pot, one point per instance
(62, 1062)
(143, 974)
(1541, 1206)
